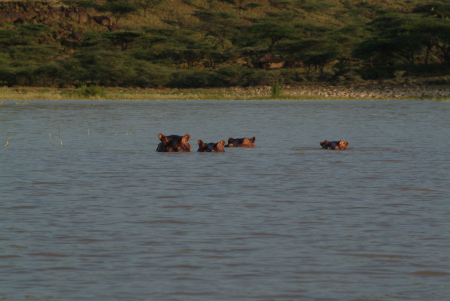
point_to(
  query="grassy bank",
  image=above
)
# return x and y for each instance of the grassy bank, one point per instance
(27, 93)
(317, 92)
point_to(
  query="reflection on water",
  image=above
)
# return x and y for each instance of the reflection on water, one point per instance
(105, 217)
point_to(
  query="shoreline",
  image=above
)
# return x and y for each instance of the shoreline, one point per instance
(404, 91)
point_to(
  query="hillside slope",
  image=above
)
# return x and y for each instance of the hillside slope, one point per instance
(201, 43)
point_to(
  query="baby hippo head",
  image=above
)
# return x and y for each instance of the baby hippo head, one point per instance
(241, 142)
(211, 147)
(334, 145)
(325, 144)
(174, 143)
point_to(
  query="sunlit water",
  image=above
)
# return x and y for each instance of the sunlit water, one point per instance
(105, 217)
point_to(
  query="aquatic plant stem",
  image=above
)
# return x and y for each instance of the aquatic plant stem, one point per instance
(51, 139)
(89, 127)
(60, 136)
(129, 132)
(7, 141)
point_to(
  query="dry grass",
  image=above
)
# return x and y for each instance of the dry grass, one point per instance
(180, 11)
(21, 95)
(24, 94)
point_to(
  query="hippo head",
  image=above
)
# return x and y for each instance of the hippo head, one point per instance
(241, 142)
(341, 145)
(211, 147)
(325, 144)
(174, 143)
(334, 145)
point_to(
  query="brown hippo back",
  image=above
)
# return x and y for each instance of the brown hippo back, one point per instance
(241, 142)
(211, 147)
(334, 145)
(174, 143)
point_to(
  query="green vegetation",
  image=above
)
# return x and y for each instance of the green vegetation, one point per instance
(129, 132)
(51, 139)
(87, 45)
(277, 90)
(89, 92)
(60, 136)
(7, 140)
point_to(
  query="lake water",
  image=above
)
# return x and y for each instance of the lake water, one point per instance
(105, 217)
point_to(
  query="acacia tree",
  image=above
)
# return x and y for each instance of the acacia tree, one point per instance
(316, 52)
(280, 3)
(346, 40)
(148, 4)
(435, 29)
(218, 24)
(189, 49)
(396, 38)
(272, 31)
(118, 8)
(80, 3)
(436, 38)
(440, 9)
(123, 38)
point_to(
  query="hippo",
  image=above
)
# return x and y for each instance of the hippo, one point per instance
(334, 145)
(211, 147)
(174, 143)
(241, 142)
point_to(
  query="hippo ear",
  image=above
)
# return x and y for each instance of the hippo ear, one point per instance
(322, 143)
(343, 144)
(223, 142)
(252, 140)
(163, 138)
(201, 144)
(187, 136)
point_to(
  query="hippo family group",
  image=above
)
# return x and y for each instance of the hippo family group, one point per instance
(175, 143)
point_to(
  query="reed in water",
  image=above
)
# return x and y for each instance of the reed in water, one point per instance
(129, 132)
(60, 136)
(7, 141)
(51, 139)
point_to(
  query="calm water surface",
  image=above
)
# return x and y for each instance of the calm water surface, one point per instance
(105, 217)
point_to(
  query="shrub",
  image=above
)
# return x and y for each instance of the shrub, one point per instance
(150, 75)
(227, 77)
(289, 76)
(47, 75)
(190, 79)
(353, 77)
(93, 90)
(327, 75)
(398, 75)
(263, 77)
(277, 90)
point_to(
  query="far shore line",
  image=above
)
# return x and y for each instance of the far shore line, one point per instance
(405, 91)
